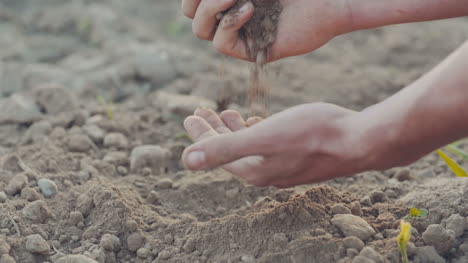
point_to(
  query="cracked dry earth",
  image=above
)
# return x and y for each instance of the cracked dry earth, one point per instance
(76, 186)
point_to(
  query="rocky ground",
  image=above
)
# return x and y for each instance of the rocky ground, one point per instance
(92, 96)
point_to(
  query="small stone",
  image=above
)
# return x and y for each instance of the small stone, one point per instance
(153, 197)
(370, 253)
(361, 259)
(76, 259)
(37, 211)
(457, 223)
(352, 225)
(37, 131)
(404, 175)
(165, 254)
(3, 197)
(116, 158)
(48, 187)
(353, 242)
(135, 241)
(55, 98)
(7, 259)
(355, 208)
(247, 259)
(378, 236)
(340, 209)
(143, 253)
(122, 170)
(165, 183)
(427, 255)
(366, 201)
(79, 143)
(37, 245)
(18, 109)
(30, 194)
(189, 245)
(75, 218)
(151, 156)
(110, 242)
(94, 132)
(4, 247)
(351, 252)
(378, 197)
(131, 225)
(116, 140)
(169, 239)
(16, 184)
(443, 240)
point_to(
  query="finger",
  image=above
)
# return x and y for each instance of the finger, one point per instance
(252, 121)
(226, 40)
(233, 120)
(218, 150)
(198, 128)
(189, 7)
(213, 119)
(205, 19)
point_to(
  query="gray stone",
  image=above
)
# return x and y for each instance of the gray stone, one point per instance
(30, 194)
(75, 218)
(76, 259)
(135, 241)
(370, 253)
(443, 240)
(352, 252)
(457, 223)
(427, 255)
(3, 197)
(143, 253)
(94, 132)
(352, 225)
(7, 259)
(37, 245)
(37, 211)
(116, 140)
(55, 98)
(164, 184)
(361, 259)
(110, 242)
(404, 175)
(37, 131)
(18, 109)
(340, 209)
(151, 156)
(48, 187)
(16, 184)
(79, 143)
(378, 197)
(155, 67)
(4, 247)
(353, 242)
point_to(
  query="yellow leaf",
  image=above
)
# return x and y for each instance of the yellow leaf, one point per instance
(456, 169)
(414, 212)
(403, 238)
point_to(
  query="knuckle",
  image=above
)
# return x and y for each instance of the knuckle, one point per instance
(199, 33)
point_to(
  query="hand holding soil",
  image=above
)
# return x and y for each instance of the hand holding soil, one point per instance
(302, 26)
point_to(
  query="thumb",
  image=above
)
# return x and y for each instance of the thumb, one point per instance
(222, 149)
(226, 40)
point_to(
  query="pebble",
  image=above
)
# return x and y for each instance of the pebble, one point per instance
(37, 245)
(48, 187)
(110, 242)
(352, 225)
(169, 239)
(3, 197)
(75, 218)
(190, 245)
(76, 259)
(404, 175)
(378, 197)
(16, 184)
(370, 253)
(37, 211)
(37, 131)
(55, 98)
(135, 241)
(153, 197)
(165, 183)
(361, 259)
(165, 254)
(340, 209)
(131, 225)
(30, 194)
(427, 255)
(182, 105)
(351, 252)
(94, 132)
(18, 109)
(116, 140)
(143, 253)
(457, 223)
(353, 242)
(79, 143)
(356, 209)
(152, 156)
(116, 158)
(4, 247)
(154, 67)
(7, 259)
(378, 236)
(443, 240)
(366, 201)
(247, 259)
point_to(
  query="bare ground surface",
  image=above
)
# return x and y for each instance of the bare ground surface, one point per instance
(116, 191)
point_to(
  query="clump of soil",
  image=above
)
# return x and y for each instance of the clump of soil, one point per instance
(258, 34)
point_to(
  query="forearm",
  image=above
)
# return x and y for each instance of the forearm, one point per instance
(431, 112)
(365, 14)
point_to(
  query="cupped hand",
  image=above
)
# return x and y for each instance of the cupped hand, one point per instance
(304, 25)
(304, 144)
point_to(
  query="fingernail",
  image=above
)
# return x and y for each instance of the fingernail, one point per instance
(245, 7)
(196, 159)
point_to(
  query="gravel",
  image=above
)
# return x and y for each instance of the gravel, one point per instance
(37, 245)
(48, 187)
(37, 211)
(443, 240)
(352, 225)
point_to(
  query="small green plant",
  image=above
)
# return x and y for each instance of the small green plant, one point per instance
(108, 106)
(454, 166)
(174, 28)
(415, 214)
(403, 238)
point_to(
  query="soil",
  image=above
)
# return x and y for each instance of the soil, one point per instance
(79, 186)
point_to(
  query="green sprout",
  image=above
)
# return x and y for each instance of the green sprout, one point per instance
(174, 28)
(415, 214)
(454, 166)
(403, 238)
(108, 106)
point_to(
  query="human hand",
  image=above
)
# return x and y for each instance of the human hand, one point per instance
(304, 144)
(304, 25)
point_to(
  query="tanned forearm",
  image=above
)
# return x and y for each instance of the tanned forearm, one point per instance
(364, 14)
